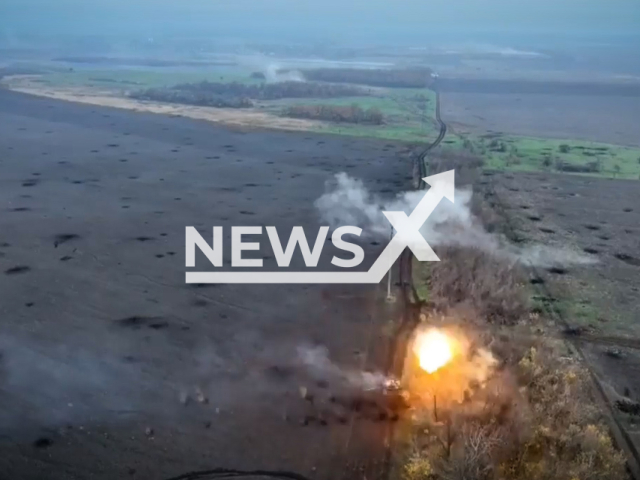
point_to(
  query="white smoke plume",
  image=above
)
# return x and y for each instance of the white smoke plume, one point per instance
(348, 202)
(316, 359)
(274, 73)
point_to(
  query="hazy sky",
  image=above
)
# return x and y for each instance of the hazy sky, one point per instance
(318, 17)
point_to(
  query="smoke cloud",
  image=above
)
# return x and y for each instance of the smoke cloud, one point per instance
(348, 202)
(316, 359)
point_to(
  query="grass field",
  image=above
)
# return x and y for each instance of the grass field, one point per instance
(525, 154)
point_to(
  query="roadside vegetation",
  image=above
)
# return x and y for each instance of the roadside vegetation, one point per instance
(531, 415)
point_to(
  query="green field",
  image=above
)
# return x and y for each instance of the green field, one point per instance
(409, 114)
(512, 153)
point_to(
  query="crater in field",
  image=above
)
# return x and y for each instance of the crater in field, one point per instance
(17, 270)
(592, 227)
(32, 182)
(628, 259)
(547, 230)
(536, 281)
(591, 250)
(557, 270)
(534, 218)
(136, 322)
(64, 238)
(627, 210)
(43, 442)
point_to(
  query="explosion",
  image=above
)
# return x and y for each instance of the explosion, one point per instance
(433, 349)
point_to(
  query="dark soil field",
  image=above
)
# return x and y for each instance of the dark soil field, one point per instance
(110, 365)
(596, 305)
(593, 117)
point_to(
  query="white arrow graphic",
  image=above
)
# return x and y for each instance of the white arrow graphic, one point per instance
(407, 235)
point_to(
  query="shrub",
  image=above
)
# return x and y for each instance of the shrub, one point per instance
(490, 286)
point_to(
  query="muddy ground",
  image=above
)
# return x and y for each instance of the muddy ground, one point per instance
(599, 303)
(111, 366)
(598, 118)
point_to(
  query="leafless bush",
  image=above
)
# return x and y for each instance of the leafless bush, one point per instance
(590, 167)
(551, 428)
(466, 164)
(337, 113)
(490, 286)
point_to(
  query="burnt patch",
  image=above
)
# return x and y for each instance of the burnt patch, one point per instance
(18, 269)
(246, 212)
(32, 182)
(278, 372)
(143, 239)
(628, 259)
(536, 281)
(66, 258)
(627, 210)
(21, 209)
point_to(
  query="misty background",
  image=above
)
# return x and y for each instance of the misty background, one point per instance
(375, 21)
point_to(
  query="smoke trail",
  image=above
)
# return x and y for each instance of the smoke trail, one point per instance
(348, 202)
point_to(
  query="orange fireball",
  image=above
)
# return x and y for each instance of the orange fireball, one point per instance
(433, 349)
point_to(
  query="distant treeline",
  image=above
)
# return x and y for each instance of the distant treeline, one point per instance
(391, 78)
(337, 113)
(191, 97)
(240, 95)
